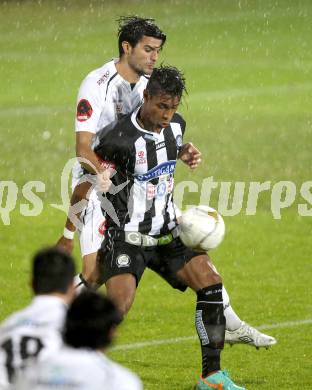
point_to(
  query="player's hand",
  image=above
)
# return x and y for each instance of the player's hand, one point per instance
(190, 155)
(103, 181)
(65, 244)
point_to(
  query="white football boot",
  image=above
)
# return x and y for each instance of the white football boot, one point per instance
(247, 334)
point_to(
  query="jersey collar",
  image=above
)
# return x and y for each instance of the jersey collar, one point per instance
(136, 124)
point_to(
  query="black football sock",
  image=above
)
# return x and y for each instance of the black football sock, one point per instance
(210, 326)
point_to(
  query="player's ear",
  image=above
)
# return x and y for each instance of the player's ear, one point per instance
(126, 47)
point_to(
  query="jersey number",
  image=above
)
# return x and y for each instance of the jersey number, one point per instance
(29, 347)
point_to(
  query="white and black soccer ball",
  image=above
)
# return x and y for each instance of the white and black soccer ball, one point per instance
(202, 228)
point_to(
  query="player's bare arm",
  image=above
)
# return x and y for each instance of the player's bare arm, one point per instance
(190, 155)
(84, 151)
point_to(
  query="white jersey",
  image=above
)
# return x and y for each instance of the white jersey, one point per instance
(104, 96)
(33, 332)
(81, 369)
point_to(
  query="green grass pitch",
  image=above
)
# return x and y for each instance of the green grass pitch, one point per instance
(248, 68)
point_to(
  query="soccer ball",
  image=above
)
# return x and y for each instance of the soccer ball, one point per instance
(201, 228)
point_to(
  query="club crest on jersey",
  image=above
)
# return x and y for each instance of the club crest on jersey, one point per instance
(166, 168)
(161, 189)
(123, 261)
(84, 110)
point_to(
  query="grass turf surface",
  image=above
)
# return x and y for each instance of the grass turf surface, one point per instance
(248, 67)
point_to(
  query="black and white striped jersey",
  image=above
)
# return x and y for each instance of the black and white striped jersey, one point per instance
(141, 197)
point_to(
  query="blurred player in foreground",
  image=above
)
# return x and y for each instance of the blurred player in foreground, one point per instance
(141, 217)
(35, 331)
(80, 364)
(114, 89)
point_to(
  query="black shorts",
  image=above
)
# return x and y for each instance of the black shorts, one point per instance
(117, 257)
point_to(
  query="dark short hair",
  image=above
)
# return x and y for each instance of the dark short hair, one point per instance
(166, 80)
(133, 28)
(53, 271)
(89, 321)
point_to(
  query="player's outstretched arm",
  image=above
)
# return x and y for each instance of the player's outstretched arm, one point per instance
(190, 155)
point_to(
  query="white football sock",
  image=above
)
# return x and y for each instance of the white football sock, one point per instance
(233, 322)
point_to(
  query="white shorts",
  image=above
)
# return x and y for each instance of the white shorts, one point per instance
(93, 222)
(93, 225)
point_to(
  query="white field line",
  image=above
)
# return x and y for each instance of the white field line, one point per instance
(176, 340)
(203, 96)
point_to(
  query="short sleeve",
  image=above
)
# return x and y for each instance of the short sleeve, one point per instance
(89, 106)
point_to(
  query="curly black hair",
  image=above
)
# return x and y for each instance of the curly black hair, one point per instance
(132, 28)
(168, 80)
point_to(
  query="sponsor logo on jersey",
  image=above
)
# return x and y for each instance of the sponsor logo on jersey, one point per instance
(141, 157)
(119, 108)
(166, 168)
(103, 78)
(160, 145)
(84, 110)
(123, 261)
(161, 189)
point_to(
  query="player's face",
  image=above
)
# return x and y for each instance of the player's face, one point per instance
(142, 58)
(159, 109)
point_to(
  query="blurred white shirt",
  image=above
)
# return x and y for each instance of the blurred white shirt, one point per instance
(33, 332)
(82, 369)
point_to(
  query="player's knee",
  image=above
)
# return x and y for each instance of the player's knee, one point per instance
(124, 307)
(122, 301)
(209, 278)
(121, 289)
(206, 272)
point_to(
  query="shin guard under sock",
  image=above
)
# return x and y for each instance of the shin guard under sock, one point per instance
(210, 326)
